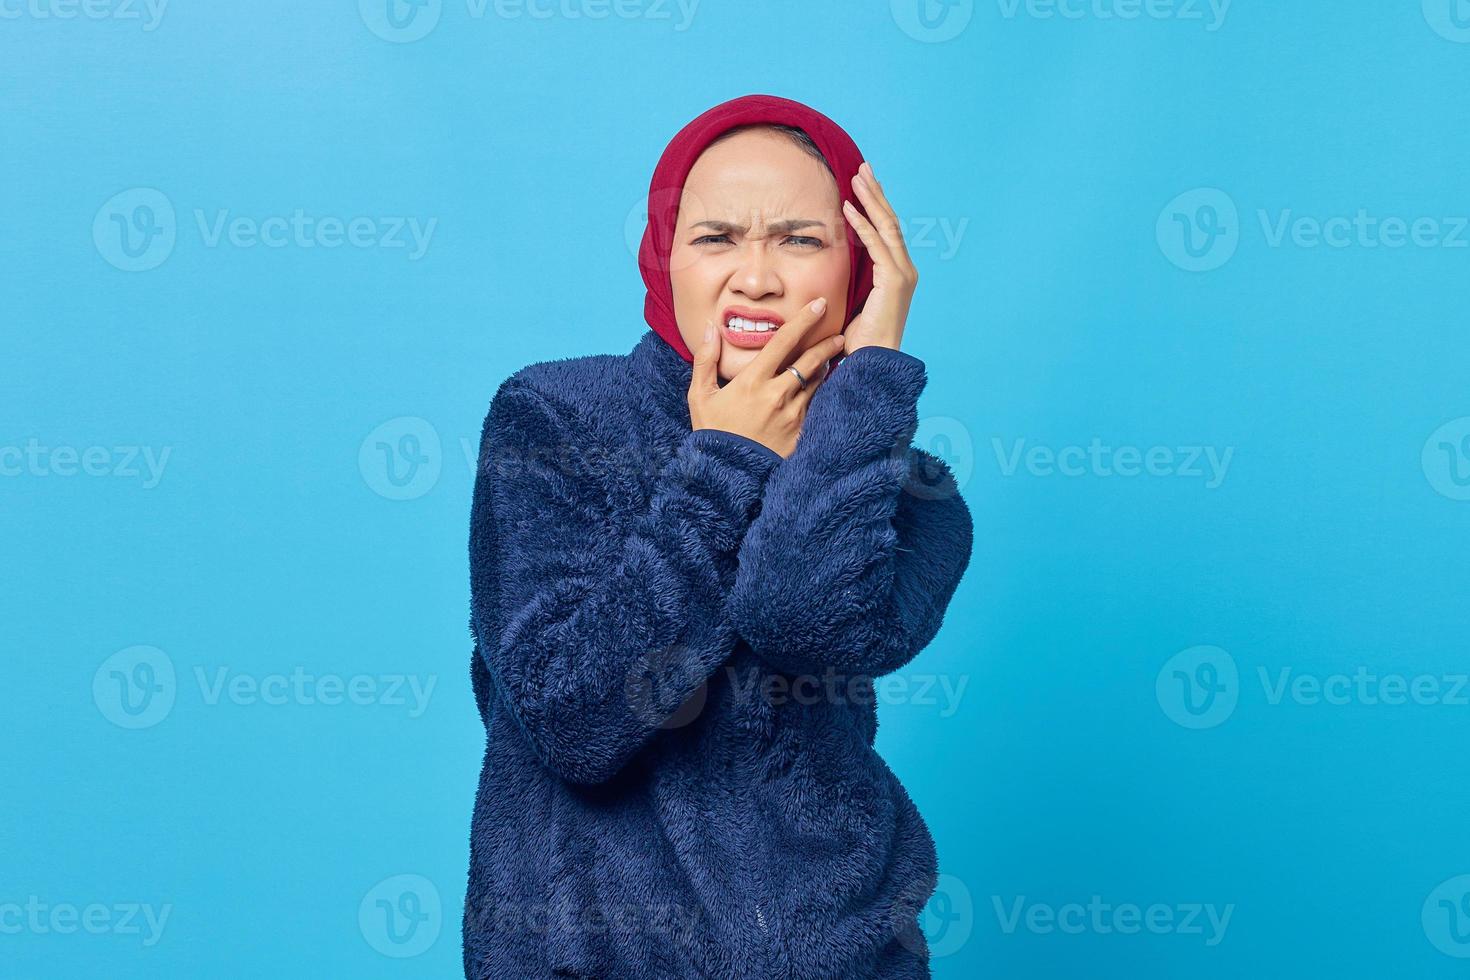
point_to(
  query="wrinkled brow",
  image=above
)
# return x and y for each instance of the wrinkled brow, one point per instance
(776, 227)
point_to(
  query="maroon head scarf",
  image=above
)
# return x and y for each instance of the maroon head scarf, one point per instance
(840, 152)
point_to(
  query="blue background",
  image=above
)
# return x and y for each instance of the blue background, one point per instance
(1069, 153)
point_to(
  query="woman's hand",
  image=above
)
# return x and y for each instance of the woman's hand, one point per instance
(764, 401)
(894, 277)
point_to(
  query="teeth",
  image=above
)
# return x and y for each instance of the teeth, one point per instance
(753, 326)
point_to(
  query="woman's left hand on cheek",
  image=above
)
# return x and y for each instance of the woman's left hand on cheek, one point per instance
(882, 319)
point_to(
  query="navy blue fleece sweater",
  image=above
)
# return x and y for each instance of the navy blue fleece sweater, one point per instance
(675, 637)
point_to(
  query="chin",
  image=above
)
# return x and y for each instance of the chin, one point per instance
(731, 363)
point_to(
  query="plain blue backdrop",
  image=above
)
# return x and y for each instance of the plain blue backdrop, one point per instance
(1193, 305)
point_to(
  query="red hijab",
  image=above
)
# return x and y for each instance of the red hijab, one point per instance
(840, 152)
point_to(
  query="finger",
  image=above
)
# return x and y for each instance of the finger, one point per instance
(871, 240)
(786, 339)
(865, 180)
(885, 217)
(881, 217)
(810, 365)
(705, 377)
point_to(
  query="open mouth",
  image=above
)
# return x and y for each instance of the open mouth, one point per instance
(748, 328)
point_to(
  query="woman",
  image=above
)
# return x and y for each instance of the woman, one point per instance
(678, 605)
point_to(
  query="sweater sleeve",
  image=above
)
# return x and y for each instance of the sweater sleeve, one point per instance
(593, 629)
(862, 537)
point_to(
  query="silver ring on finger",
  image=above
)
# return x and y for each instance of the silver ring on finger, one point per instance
(799, 376)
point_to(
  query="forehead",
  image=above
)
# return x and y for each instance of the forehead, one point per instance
(758, 170)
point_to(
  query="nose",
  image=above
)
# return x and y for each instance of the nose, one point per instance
(757, 274)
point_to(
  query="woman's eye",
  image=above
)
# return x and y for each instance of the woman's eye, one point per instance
(805, 241)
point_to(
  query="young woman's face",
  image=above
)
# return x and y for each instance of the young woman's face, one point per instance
(760, 233)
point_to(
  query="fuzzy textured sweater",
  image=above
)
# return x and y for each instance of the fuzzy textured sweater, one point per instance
(675, 636)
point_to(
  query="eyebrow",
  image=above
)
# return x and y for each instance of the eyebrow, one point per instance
(777, 227)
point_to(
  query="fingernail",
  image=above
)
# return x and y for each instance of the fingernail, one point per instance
(818, 305)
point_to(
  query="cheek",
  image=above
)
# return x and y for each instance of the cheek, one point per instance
(831, 275)
(694, 297)
(832, 283)
(693, 282)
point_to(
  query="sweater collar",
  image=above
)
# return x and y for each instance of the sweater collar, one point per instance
(658, 398)
(665, 377)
